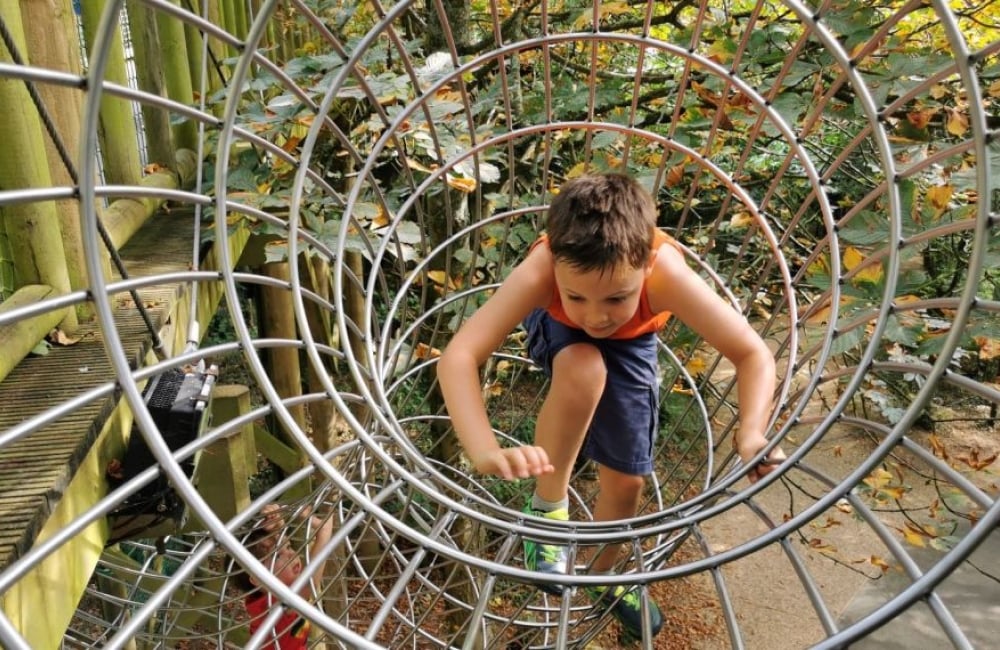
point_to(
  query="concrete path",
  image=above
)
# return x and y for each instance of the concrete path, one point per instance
(971, 594)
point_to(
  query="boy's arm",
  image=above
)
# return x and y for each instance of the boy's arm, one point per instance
(321, 537)
(673, 286)
(527, 287)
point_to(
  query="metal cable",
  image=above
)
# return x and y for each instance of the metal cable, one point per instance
(50, 127)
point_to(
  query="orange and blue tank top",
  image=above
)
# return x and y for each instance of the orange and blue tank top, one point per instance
(644, 321)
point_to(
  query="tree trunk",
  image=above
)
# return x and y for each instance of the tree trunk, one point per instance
(32, 227)
(116, 129)
(149, 76)
(442, 210)
(456, 17)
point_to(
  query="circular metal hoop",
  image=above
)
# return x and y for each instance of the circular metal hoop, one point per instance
(819, 165)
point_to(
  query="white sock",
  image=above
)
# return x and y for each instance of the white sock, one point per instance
(540, 504)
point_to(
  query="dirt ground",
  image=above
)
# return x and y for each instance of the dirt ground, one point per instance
(840, 551)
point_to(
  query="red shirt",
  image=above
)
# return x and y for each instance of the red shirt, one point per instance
(642, 322)
(291, 629)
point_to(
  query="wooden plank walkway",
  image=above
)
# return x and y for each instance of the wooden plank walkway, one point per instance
(36, 470)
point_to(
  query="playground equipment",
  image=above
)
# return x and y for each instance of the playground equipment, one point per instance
(840, 193)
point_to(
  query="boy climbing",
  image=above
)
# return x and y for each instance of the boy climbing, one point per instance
(592, 293)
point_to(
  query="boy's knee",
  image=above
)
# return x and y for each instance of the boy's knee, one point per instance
(624, 486)
(581, 367)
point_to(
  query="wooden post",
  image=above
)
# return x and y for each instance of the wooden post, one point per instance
(149, 76)
(322, 415)
(278, 322)
(33, 228)
(126, 215)
(195, 54)
(174, 60)
(50, 28)
(116, 129)
(20, 337)
(222, 474)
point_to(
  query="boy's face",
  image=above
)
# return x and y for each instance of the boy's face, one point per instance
(600, 301)
(287, 565)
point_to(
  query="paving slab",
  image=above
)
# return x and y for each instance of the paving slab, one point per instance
(971, 594)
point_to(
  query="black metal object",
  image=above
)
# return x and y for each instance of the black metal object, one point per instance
(179, 402)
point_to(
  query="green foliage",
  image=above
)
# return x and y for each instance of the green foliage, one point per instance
(716, 138)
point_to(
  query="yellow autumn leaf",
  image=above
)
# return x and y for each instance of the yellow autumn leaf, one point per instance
(424, 351)
(880, 563)
(870, 273)
(896, 492)
(817, 266)
(604, 9)
(440, 278)
(829, 522)
(957, 122)
(681, 389)
(579, 169)
(989, 348)
(675, 175)
(462, 183)
(821, 546)
(938, 447)
(920, 119)
(994, 89)
(417, 165)
(695, 365)
(976, 463)
(914, 536)
(741, 220)
(448, 95)
(878, 479)
(613, 8)
(938, 198)
(59, 337)
(381, 219)
(721, 51)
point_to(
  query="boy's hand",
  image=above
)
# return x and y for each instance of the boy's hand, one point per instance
(514, 462)
(273, 519)
(748, 447)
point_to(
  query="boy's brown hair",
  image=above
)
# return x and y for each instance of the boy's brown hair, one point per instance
(261, 543)
(601, 221)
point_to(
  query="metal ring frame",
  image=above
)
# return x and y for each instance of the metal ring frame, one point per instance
(447, 540)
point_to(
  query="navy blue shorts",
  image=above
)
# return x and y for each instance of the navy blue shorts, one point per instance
(624, 427)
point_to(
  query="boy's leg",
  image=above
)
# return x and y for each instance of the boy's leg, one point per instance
(618, 498)
(578, 376)
(577, 381)
(621, 441)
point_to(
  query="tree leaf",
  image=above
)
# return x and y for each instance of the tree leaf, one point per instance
(876, 561)
(854, 258)
(957, 122)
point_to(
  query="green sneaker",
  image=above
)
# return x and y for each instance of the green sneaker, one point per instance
(546, 558)
(624, 604)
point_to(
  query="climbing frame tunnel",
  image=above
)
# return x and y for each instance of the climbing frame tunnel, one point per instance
(370, 172)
